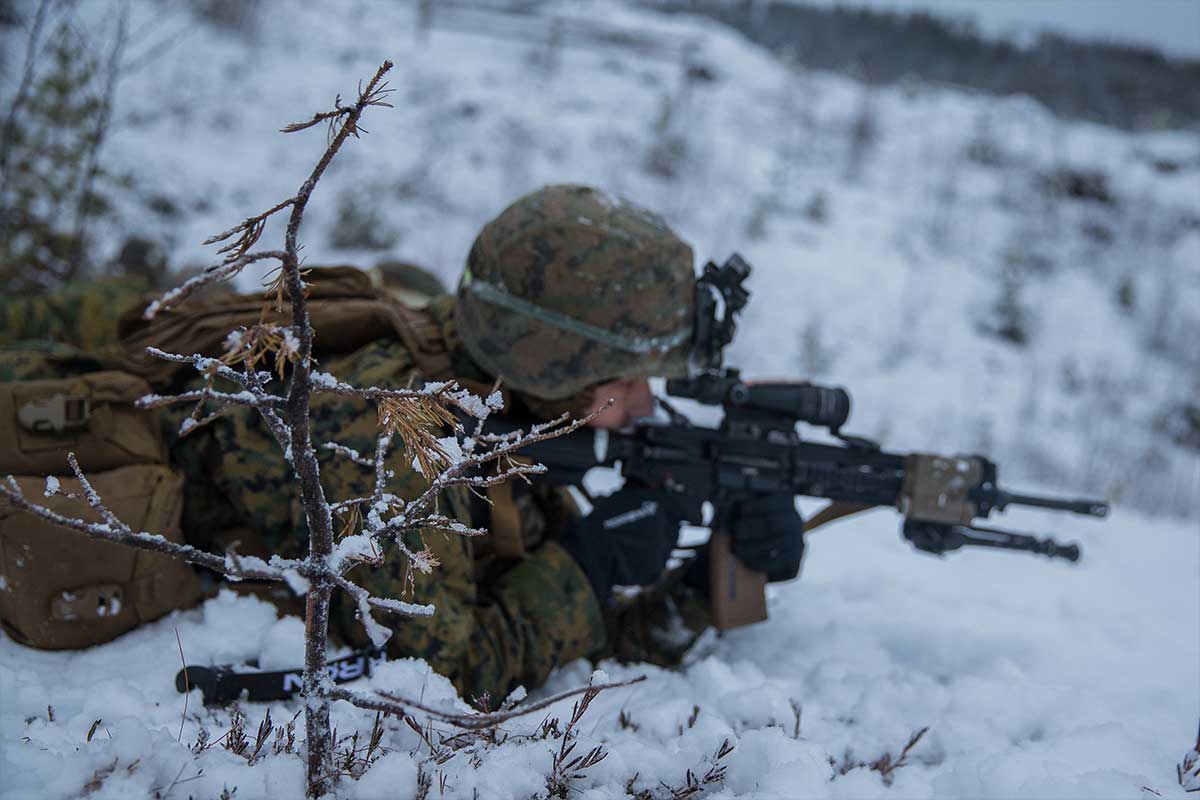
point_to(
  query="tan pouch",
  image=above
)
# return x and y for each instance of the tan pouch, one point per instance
(60, 589)
(91, 415)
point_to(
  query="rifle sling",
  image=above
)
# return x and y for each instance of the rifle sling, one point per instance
(834, 511)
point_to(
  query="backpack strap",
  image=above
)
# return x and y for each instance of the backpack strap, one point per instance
(425, 339)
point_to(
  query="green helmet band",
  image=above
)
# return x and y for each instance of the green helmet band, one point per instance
(639, 345)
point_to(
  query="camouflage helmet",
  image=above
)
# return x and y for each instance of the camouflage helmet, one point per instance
(570, 287)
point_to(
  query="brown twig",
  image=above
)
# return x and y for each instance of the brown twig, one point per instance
(187, 686)
(397, 704)
(248, 232)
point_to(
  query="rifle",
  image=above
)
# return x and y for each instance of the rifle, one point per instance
(756, 448)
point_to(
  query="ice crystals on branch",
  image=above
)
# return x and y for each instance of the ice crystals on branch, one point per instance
(214, 274)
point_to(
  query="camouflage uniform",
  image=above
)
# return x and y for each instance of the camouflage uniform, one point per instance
(503, 618)
(497, 625)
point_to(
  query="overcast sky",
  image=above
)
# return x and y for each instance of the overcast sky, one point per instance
(1171, 25)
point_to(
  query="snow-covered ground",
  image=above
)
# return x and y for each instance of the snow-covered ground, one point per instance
(877, 266)
(1036, 680)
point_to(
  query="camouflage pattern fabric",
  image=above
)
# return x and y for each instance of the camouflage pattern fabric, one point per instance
(498, 623)
(570, 287)
(31, 360)
(486, 636)
(82, 315)
(657, 625)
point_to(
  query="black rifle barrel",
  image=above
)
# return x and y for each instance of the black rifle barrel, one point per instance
(1091, 508)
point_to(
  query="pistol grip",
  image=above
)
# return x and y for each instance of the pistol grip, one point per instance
(737, 594)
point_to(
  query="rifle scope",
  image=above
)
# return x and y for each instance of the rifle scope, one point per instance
(827, 406)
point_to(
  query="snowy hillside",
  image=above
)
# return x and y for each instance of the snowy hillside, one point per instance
(981, 276)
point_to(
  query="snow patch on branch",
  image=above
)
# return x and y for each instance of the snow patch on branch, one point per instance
(290, 346)
(296, 582)
(403, 608)
(478, 407)
(324, 380)
(237, 566)
(377, 633)
(356, 548)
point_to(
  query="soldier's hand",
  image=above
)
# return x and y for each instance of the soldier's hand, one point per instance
(626, 539)
(768, 534)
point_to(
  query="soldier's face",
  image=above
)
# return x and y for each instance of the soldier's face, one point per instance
(631, 399)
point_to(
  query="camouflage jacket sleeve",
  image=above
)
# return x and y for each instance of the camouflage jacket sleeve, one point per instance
(488, 635)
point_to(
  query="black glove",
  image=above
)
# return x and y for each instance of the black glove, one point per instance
(768, 535)
(626, 540)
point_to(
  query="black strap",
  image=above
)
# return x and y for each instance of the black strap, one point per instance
(224, 684)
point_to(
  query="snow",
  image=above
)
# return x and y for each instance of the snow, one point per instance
(281, 643)
(296, 582)
(324, 380)
(358, 547)
(404, 608)
(479, 407)
(1037, 679)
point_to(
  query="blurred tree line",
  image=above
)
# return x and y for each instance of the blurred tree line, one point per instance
(1127, 87)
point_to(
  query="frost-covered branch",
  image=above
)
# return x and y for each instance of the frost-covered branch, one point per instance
(214, 274)
(256, 382)
(213, 368)
(379, 634)
(500, 447)
(382, 473)
(446, 392)
(349, 453)
(247, 231)
(253, 395)
(116, 531)
(205, 394)
(392, 703)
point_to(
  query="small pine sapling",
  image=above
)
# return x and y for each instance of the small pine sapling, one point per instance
(480, 460)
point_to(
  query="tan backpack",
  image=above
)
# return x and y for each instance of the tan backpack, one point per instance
(58, 588)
